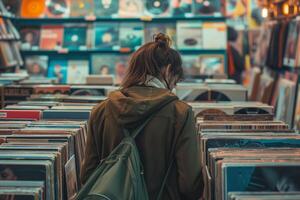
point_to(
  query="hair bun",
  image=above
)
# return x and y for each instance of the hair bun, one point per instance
(162, 40)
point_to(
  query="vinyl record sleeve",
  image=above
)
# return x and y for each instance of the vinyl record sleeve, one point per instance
(106, 8)
(58, 8)
(82, 8)
(157, 8)
(131, 8)
(106, 36)
(30, 37)
(31, 170)
(78, 70)
(131, 35)
(33, 8)
(58, 69)
(51, 37)
(37, 65)
(75, 37)
(189, 35)
(103, 64)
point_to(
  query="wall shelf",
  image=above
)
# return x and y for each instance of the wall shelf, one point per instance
(94, 51)
(35, 21)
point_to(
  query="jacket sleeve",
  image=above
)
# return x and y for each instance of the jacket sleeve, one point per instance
(187, 155)
(91, 156)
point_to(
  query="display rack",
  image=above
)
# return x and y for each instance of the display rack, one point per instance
(65, 53)
(35, 21)
(9, 38)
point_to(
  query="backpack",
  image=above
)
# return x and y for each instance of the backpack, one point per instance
(120, 176)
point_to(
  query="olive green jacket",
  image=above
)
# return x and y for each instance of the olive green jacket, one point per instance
(172, 127)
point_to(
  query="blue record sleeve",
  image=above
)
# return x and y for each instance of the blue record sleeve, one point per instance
(58, 69)
(131, 35)
(261, 177)
(75, 37)
(106, 35)
(106, 8)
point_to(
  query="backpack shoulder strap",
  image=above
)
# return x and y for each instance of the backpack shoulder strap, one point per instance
(159, 196)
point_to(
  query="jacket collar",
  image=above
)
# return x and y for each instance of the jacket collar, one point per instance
(155, 82)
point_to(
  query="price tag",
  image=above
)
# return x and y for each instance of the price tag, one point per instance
(146, 18)
(188, 15)
(35, 48)
(82, 48)
(63, 51)
(116, 48)
(125, 50)
(90, 18)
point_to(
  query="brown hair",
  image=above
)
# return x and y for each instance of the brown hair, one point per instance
(151, 59)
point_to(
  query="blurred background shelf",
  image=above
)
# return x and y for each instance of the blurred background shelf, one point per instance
(33, 21)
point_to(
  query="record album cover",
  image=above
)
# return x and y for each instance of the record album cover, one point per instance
(103, 64)
(77, 71)
(106, 8)
(120, 68)
(286, 100)
(106, 35)
(71, 178)
(75, 37)
(297, 64)
(131, 35)
(32, 8)
(208, 7)
(36, 65)
(131, 8)
(15, 193)
(261, 177)
(297, 112)
(157, 8)
(212, 64)
(58, 69)
(189, 35)
(58, 8)
(291, 44)
(182, 7)
(190, 65)
(30, 37)
(29, 170)
(214, 35)
(12, 6)
(51, 37)
(82, 8)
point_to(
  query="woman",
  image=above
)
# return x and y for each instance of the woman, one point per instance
(153, 72)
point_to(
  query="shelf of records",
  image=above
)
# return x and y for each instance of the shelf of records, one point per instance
(72, 70)
(16, 88)
(93, 9)
(279, 90)
(42, 158)
(124, 37)
(237, 139)
(8, 32)
(10, 56)
(4, 13)
(245, 151)
(279, 44)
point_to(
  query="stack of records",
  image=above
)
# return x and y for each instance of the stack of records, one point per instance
(43, 158)
(211, 92)
(51, 107)
(245, 153)
(14, 93)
